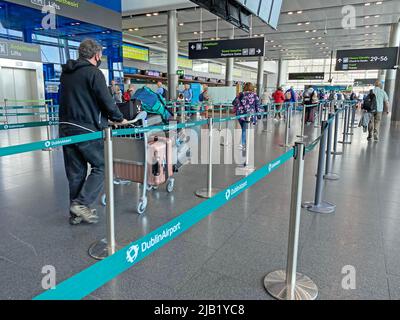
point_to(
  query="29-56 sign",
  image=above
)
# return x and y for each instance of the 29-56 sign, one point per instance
(367, 59)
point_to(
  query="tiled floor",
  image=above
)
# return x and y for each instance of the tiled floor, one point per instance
(226, 255)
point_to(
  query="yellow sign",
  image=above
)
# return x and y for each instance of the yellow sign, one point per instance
(237, 73)
(184, 62)
(214, 68)
(130, 51)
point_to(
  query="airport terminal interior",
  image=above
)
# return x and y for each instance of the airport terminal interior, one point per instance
(233, 150)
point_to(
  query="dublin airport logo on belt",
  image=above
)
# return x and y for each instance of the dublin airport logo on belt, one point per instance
(132, 253)
(47, 144)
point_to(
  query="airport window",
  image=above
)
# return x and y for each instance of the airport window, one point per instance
(73, 54)
(50, 54)
(73, 44)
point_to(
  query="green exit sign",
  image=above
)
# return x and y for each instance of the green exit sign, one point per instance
(180, 73)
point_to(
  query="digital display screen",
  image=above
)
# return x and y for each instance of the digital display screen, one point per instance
(275, 13)
(184, 62)
(252, 6)
(134, 52)
(265, 10)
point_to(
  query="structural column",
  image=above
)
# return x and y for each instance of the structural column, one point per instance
(279, 79)
(260, 76)
(391, 74)
(229, 65)
(172, 54)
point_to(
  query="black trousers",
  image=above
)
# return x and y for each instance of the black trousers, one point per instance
(83, 189)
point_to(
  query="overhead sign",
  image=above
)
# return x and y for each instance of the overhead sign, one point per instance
(307, 76)
(180, 73)
(134, 52)
(20, 51)
(366, 59)
(250, 47)
(364, 82)
(81, 10)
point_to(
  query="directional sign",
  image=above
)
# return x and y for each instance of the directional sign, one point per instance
(367, 59)
(250, 47)
(307, 76)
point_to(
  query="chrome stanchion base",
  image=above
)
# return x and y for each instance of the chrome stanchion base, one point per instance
(323, 207)
(99, 250)
(331, 177)
(302, 137)
(350, 134)
(275, 284)
(48, 150)
(344, 142)
(207, 194)
(337, 153)
(244, 170)
(285, 145)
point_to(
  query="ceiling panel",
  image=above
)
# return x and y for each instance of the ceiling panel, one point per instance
(312, 33)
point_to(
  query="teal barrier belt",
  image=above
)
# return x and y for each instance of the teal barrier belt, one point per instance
(6, 151)
(28, 125)
(26, 114)
(27, 107)
(92, 278)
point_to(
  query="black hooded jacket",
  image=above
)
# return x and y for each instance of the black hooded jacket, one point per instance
(84, 97)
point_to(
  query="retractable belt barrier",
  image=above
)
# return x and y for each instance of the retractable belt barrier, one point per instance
(92, 278)
(281, 284)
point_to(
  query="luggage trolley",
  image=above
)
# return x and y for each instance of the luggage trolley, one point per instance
(130, 157)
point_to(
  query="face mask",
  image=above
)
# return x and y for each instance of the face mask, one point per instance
(98, 63)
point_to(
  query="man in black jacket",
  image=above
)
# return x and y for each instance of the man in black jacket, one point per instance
(85, 106)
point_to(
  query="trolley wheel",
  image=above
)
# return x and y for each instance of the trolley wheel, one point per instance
(170, 185)
(142, 205)
(104, 200)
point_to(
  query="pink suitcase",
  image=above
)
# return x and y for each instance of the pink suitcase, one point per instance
(160, 166)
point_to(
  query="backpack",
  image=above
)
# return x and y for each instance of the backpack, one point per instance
(165, 94)
(370, 104)
(308, 96)
(288, 95)
(201, 97)
(340, 96)
(152, 102)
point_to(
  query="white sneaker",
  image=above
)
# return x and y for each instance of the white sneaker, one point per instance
(84, 213)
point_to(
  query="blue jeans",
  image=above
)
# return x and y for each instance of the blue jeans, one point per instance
(243, 125)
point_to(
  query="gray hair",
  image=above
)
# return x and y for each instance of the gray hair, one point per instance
(89, 48)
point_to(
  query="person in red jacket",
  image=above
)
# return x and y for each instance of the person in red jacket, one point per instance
(279, 99)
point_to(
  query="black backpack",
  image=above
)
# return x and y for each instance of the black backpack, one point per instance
(370, 103)
(165, 94)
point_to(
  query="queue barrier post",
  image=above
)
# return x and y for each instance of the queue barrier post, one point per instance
(107, 247)
(319, 205)
(289, 284)
(335, 151)
(5, 111)
(349, 125)
(209, 192)
(246, 169)
(220, 117)
(345, 119)
(225, 142)
(353, 117)
(267, 119)
(286, 144)
(329, 175)
(48, 132)
(303, 124)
